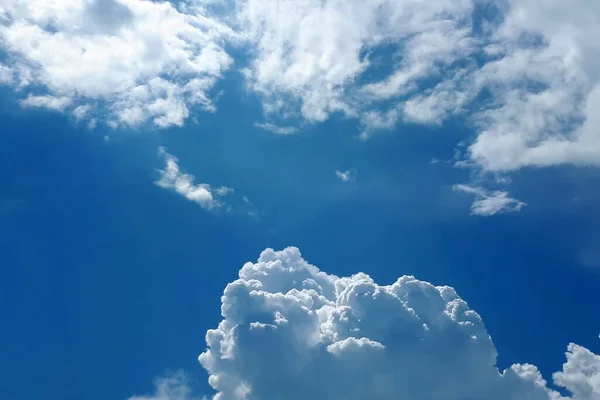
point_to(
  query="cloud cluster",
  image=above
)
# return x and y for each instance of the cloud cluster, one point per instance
(521, 73)
(139, 60)
(489, 203)
(291, 331)
(525, 71)
(310, 54)
(202, 193)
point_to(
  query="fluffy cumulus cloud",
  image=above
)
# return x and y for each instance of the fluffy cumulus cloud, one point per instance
(291, 331)
(172, 178)
(488, 203)
(311, 53)
(139, 60)
(522, 72)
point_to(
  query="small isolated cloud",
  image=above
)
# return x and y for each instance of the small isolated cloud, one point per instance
(290, 331)
(345, 176)
(280, 130)
(174, 387)
(224, 190)
(173, 179)
(489, 203)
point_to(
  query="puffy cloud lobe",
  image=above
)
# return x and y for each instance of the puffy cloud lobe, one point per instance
(581, 373)
(292, 331)
(173, 179)
(141, 60)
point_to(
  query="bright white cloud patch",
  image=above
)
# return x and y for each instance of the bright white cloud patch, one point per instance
(290, 331)
(141, 60)
(489, 203)
(173, 179)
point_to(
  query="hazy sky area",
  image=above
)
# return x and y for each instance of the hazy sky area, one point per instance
(299, 199)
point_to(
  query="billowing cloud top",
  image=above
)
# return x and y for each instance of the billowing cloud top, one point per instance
(291, 331)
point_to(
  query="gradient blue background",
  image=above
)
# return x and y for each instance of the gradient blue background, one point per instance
(107, 281)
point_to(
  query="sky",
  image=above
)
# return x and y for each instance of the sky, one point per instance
(257, 200)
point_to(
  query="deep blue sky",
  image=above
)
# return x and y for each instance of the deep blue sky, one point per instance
(108, 281)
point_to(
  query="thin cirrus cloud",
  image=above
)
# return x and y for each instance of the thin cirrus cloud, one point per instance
(488, 203)
(279, 130)
(291, 331)
(345, 176)
(171, 178)
(172, 387)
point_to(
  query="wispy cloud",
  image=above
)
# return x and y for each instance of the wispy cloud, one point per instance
(202, 193)
(280, 130)
(172, 387)
(346, 176)
(47, 101)
(488, 203)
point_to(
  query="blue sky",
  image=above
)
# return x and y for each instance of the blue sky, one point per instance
(111, 280)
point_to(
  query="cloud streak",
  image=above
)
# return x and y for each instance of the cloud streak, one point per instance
(490, 203)
(345, 176)
(280, 130)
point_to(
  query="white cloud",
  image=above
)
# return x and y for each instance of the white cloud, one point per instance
(280, 130)
(310, 53)
(489, 203)
(174, 387)
(142, 60)
(224, 190)
(345, 176)
(581, 373)
(526, 83)
(6, 75)
(173, 179)
(290, 331)
(46, 101)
